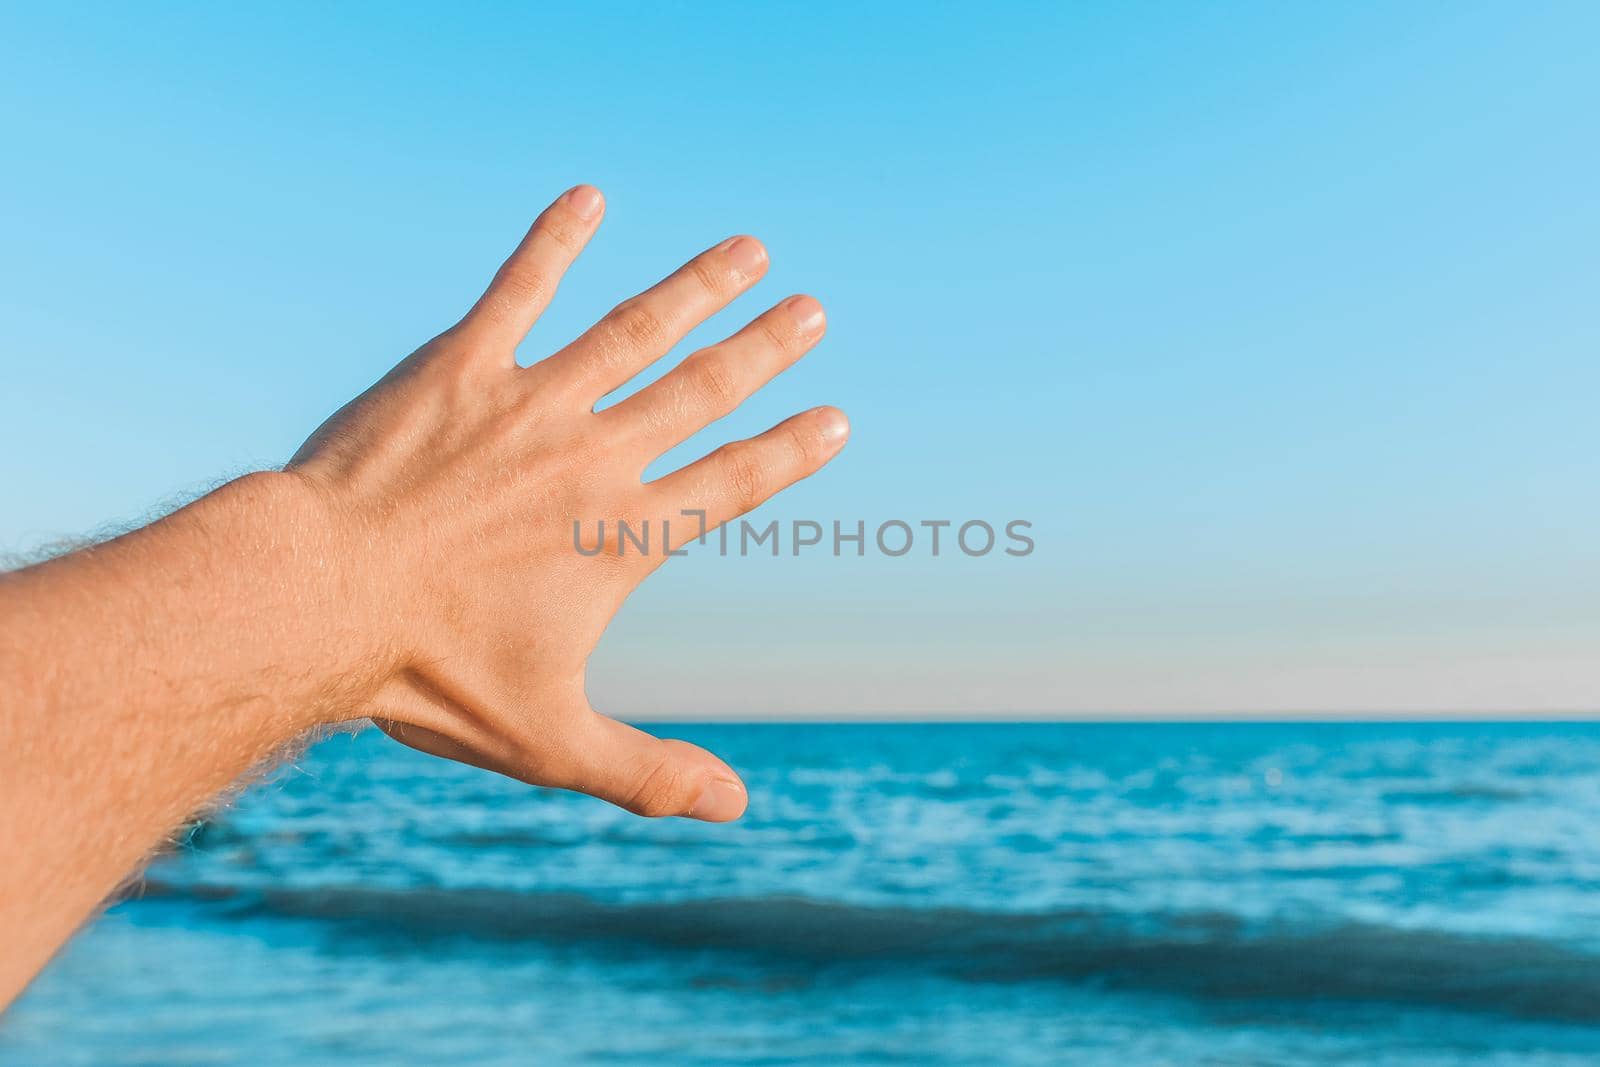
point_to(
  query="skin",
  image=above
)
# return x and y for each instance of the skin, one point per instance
(413, 564)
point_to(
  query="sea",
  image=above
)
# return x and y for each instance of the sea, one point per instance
(932, 894)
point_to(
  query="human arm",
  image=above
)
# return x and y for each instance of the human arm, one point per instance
(414, 563)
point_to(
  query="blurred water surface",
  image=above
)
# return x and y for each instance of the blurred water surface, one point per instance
(929, 894)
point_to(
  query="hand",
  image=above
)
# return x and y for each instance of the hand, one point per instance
(454, 483)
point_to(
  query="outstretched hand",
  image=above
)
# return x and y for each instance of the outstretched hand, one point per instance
(453, 485)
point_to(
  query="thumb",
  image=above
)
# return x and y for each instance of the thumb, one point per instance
(649, 775)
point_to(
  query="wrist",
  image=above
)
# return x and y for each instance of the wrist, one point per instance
(293, 595)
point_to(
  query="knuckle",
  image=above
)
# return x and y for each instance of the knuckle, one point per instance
(564, 233)
(805, 444)
(779, 335)
(746, 479)
(638, 325)
(714, 278)
(660, 790)
(522, 282)
(716, 383)
(453, 372)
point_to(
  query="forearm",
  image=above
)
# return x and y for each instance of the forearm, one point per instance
(141, 677)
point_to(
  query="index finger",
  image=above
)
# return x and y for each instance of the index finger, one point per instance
(524, 284)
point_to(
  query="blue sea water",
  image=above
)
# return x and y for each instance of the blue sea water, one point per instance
(917, 894)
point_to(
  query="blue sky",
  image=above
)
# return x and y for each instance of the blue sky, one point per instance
(1278, 322)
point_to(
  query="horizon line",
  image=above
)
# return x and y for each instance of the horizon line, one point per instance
(1166, 717)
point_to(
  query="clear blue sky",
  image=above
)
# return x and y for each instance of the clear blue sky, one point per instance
(1278, 321)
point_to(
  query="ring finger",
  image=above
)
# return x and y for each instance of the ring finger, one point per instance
(714, 381)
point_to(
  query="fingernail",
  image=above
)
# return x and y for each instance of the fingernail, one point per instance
(807, 313)
(746, 255)
(835, 427)
(584, 200)
(720, 801)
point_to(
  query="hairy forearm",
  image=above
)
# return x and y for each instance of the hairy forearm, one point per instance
(141, 677)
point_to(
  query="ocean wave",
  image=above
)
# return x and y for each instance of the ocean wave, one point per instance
(1484, 794)
(1203, 955)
